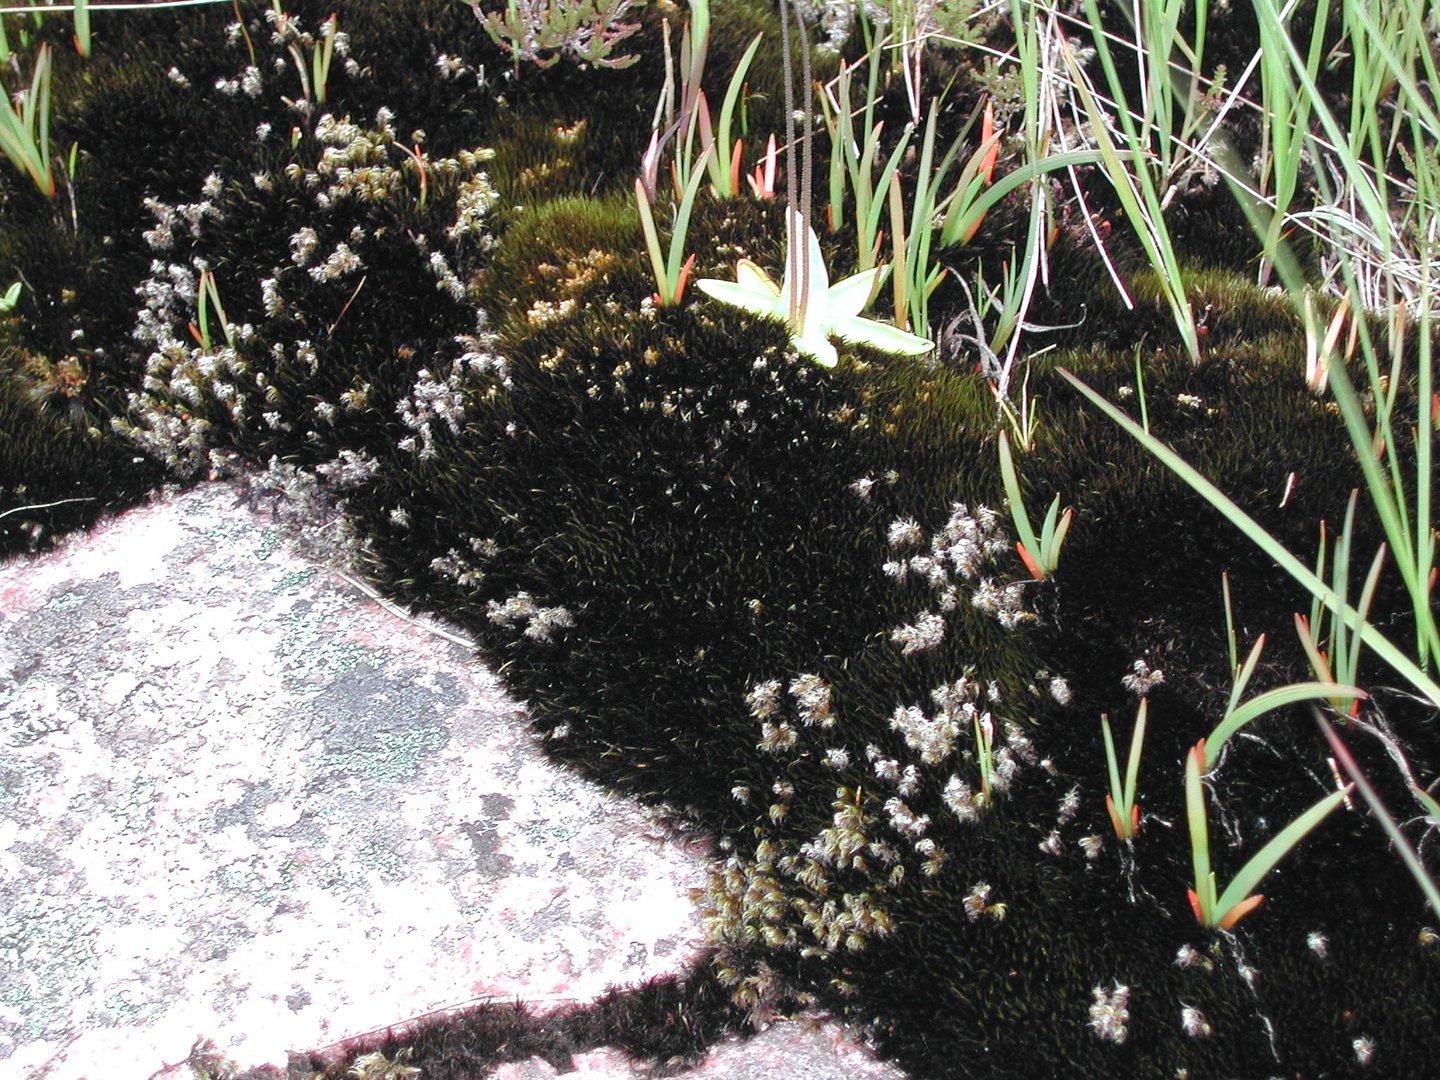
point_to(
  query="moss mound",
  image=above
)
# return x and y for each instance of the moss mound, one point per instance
(780, 602)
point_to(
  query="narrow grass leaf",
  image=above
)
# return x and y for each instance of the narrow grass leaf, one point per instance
(1377, 642)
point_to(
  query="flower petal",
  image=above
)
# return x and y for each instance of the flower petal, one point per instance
(848, 298)
(758, 301)
(749, 274)
(816, 346)
(882, 336)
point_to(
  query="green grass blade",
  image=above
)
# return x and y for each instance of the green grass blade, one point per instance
(1265, 860)
(1199, 830)
(954, 228)
(1234, 651)
(1376, 641)
(82, 27)
(1242, 674)
(1112, 764)
(1408, 558)
(1387, 822)
(1018, 513)
(1278, 698)
(682, 222)
(1137, 746)
(719, 164)
(652, 238)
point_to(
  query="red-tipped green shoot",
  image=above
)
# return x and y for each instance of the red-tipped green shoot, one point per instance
(1238, 899)
(1039, 554)
(1120, 803)
(670, 273)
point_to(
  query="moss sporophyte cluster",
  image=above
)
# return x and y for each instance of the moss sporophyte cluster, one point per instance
(398, 260)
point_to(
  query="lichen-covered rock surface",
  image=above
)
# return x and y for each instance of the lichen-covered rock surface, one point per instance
(779, 604)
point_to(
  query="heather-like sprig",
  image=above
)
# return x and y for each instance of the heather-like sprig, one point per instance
(542, 31)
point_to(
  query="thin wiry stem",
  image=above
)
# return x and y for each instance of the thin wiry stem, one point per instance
(790, 181)
(807, 164)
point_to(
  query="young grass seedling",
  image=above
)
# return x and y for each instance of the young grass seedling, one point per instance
(984, 733)
(1039, 554)
(670, 274)
(1340, 661)
(850, 158)
(25, 128)
(725, 181)
(208, 293)
(314, 76)
(762, 183)
(1120, 803)
(1224, 910)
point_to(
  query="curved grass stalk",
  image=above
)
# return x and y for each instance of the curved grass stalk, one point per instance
(1403, 665)
(1270, 700)
(1223, 910)
(1407, 853)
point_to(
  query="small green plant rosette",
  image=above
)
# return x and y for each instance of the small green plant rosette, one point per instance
(815, 309)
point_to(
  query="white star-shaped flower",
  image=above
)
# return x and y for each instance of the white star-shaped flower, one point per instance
(822, 311)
